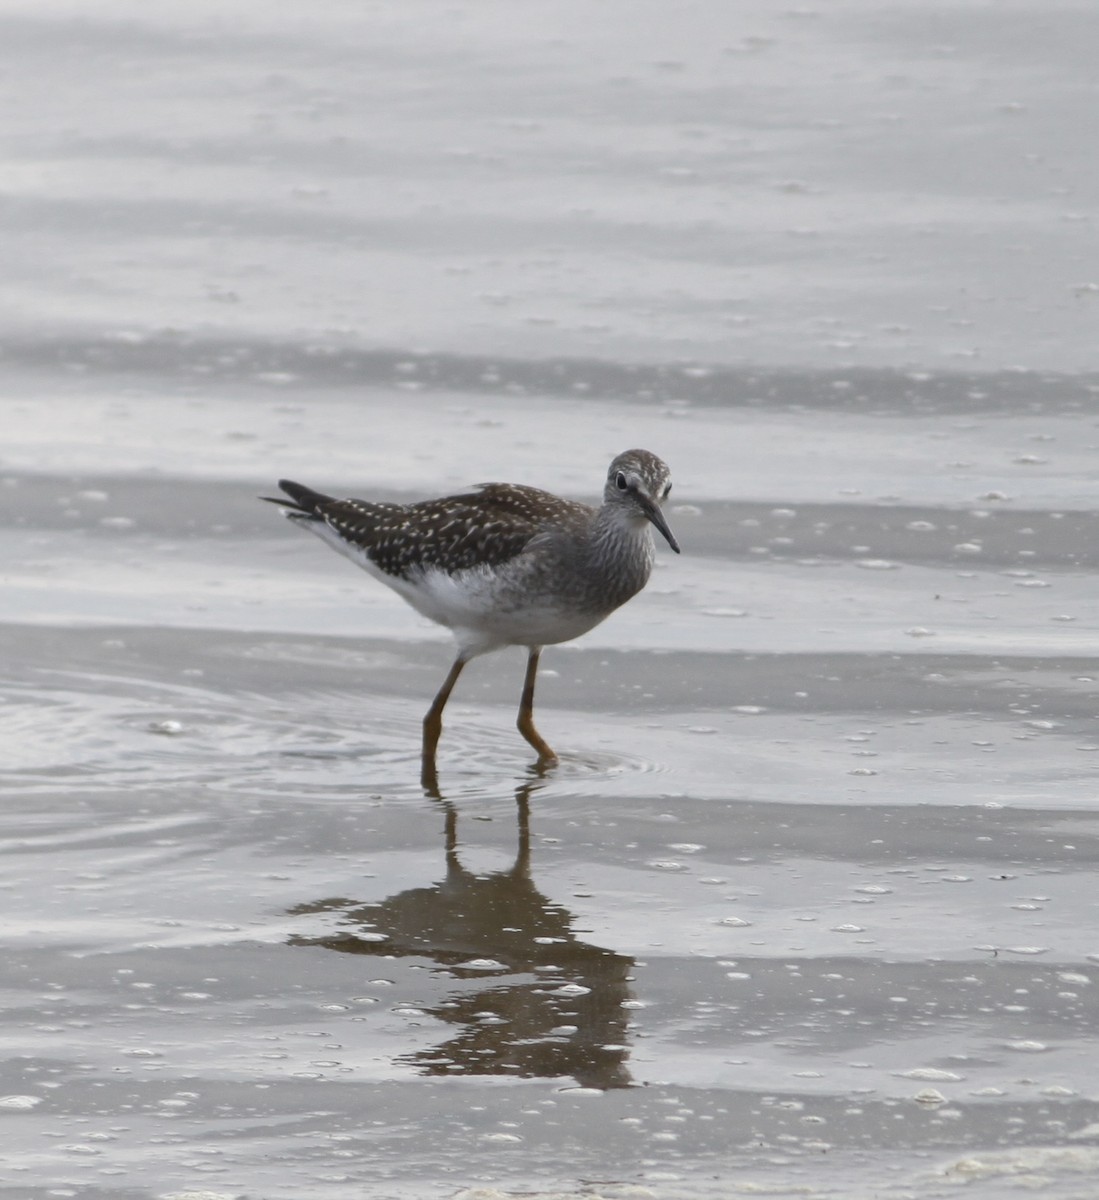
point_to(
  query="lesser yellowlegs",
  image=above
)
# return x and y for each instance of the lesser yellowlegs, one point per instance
(504, 565)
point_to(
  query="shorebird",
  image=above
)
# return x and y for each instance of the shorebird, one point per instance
(502, 565)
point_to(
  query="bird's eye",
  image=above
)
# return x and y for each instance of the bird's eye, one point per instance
(667, 492)
(621, 482)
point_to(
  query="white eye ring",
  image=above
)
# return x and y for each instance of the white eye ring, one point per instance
(621, 482)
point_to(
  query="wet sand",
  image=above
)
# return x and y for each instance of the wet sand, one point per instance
(808, 906)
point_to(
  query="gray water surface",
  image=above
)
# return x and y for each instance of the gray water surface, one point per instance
(808, 907)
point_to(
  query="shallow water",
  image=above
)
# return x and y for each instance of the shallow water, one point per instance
(808, 906)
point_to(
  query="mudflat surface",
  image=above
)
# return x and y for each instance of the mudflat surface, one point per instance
(808, 907)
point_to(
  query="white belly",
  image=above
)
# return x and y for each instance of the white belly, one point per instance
(485, 617)
(482, 613)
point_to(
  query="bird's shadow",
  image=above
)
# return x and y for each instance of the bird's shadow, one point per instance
(530, 998)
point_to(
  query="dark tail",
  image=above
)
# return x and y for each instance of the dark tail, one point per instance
(303, 502)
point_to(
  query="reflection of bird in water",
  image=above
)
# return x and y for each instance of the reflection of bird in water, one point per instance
(567, 1020)
(505, 565)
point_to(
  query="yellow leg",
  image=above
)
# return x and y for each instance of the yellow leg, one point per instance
(433, 725)
(525, 722)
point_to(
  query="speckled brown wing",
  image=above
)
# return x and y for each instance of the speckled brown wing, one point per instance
(455, 533)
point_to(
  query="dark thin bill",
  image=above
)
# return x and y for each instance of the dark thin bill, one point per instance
(657, 517)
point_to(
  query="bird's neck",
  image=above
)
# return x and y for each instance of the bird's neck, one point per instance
(620, 552)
